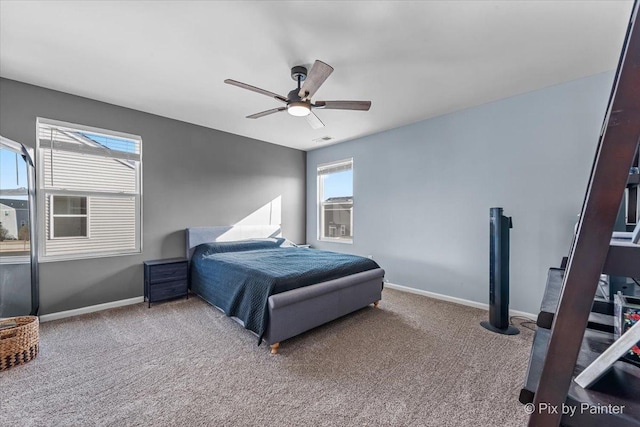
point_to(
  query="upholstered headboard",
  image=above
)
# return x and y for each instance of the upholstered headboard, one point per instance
(199, 235)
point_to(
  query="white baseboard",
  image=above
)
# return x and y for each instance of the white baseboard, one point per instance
(137, 300)
(90, 309)
(455, 300)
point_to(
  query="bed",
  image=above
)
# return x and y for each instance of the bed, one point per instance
(272, 288)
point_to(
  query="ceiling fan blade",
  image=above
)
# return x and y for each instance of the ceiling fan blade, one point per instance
(343, 105)
(256, 89)
(318, 74)
(314, 121)
(266, 113)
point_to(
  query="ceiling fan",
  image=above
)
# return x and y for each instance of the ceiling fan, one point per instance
(298, 101)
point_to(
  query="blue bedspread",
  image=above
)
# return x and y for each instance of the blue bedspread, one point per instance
(239, 277)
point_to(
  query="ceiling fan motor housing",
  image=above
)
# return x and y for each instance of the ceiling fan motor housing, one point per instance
(294, 96)
(295, 105)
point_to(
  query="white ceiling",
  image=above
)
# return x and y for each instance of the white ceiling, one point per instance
(413, 60)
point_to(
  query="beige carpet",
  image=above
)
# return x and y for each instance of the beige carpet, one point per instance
(413, 362)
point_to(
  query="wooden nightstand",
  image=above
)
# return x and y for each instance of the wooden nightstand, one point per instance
(165, 279)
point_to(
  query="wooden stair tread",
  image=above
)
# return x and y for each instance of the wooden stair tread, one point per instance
(601, 317)
(622, 259)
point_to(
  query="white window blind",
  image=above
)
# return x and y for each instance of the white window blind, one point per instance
(89, 183)
(341, 166)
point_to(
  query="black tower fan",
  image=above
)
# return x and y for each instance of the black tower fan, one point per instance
(499, 274)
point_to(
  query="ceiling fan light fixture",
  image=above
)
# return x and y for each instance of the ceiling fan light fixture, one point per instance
(299, 109)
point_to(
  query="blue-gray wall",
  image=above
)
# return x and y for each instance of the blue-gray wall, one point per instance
(422, 192)
(192, 176)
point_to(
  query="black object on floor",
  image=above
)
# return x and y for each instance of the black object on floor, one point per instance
(499, 274)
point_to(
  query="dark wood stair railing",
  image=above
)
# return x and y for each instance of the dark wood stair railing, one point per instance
(608, 180)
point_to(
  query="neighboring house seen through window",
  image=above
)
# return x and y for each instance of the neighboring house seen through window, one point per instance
(335, 201)
(89, 191)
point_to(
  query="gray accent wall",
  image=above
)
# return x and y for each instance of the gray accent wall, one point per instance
(192, 176)
(422, 192)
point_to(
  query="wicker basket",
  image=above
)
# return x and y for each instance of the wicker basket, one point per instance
(18, 344)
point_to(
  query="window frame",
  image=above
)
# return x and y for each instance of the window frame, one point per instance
(320, 195)
(42, 193)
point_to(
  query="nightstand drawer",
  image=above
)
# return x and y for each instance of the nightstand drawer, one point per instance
(166, 290)
(166, 272)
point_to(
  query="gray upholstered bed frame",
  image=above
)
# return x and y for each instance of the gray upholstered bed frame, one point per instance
(294, 312)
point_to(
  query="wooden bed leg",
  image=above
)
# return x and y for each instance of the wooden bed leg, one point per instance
(274, 348)
(376, 304)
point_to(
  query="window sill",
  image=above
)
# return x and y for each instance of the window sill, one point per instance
(57, 258)
(344, 242)
(14, 259)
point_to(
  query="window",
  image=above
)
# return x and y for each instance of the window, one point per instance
(15, 171)
(335, 201)
(89, 190)
(69, 216)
